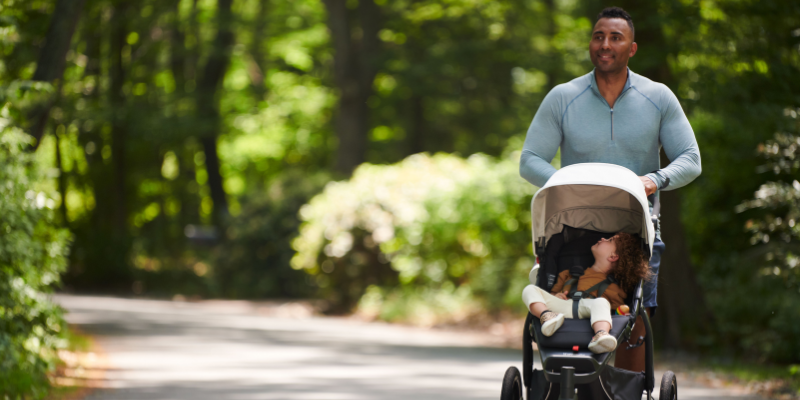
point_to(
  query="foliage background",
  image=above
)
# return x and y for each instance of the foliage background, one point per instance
(32, 256)
(430, 239)
(189, 134)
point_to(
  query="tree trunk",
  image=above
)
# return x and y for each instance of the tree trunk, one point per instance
(215, 180)
(119, 126)
(416, 138)
(208, 107)
(62, 180)
(355, 66)
(680, 297)
(177, 40)
(193, 53)
(101, 261)
(52, 58)
(553, 57)
(257, 66)
(681, 305)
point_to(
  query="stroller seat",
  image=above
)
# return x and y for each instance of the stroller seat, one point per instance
(558, 350)
(577, 332)
(571, 250)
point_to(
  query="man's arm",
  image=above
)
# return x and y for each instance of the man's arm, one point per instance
(541, 142)
(677, 139)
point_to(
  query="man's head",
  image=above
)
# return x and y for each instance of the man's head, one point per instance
(612, 40)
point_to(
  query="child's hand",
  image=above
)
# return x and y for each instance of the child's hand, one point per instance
(562, 295)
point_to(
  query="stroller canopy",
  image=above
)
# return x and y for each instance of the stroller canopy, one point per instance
(600, 197)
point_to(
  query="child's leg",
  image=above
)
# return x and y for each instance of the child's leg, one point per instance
(599, 310)
(539, 300)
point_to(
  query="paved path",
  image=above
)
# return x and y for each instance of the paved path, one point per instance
(166, 350)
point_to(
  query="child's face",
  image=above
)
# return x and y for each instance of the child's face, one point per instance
(605, 249)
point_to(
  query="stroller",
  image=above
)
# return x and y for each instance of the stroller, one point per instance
(580, 204)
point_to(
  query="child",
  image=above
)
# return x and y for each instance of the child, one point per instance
(622, 255)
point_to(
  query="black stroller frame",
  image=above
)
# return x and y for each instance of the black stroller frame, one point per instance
(567, 364)
(586, 194)
(568, 378)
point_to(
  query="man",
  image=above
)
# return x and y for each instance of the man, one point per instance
(612, 115)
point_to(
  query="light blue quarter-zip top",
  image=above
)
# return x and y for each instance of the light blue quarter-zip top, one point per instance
(645, 117)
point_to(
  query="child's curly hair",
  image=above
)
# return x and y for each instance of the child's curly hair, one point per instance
(632, 265)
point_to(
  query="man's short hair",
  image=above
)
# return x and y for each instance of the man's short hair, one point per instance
(616, 12)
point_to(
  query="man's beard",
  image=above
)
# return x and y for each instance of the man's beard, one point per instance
(610, 68)
(615, 66)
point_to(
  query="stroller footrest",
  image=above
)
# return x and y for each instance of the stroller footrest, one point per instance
(577, 332)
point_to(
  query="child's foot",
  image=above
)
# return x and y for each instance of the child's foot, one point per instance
(602, 342)
(551, 322)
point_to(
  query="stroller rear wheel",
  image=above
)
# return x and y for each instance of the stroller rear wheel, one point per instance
(669, 387)
(512, 385)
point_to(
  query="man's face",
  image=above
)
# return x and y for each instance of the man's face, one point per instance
(612, 45)
(606, 249)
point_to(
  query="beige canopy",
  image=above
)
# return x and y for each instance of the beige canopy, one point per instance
(601, 197)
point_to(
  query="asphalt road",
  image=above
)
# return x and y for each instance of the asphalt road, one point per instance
(166, 350)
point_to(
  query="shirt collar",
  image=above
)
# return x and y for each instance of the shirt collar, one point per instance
(627, 81)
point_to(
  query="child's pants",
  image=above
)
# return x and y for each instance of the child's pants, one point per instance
(598, 309)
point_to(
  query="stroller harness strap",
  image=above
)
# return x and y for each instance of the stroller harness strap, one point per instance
(577, 296)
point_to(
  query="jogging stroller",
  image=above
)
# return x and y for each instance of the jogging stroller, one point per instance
(580, 204)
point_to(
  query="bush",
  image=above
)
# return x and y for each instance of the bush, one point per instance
(771, 272)
(254, 261)
(431, 238)
(32, 255)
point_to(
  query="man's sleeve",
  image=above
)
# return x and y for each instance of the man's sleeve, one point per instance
(542, 141)
(677, 139)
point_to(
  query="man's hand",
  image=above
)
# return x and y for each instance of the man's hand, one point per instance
(649, 186)
(562, 296)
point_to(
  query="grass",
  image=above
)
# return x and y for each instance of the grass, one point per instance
(78, 341)
(769, 380)
(774, 380)
(80, 368)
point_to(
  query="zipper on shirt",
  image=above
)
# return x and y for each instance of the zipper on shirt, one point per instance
(612, 124)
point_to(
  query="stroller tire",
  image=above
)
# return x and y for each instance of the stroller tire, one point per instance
(669, 387)
(512, 385)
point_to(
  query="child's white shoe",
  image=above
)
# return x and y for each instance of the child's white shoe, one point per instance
(602, 342)
(551, 322)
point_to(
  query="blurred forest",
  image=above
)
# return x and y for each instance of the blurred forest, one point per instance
(181, 139)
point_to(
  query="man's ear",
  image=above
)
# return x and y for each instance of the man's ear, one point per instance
(613, 258)
(634, 48)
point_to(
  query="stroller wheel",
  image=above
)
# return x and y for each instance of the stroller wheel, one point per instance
(669, 387)
(512, 385)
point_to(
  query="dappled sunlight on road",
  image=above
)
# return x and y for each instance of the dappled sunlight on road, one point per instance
(163, 349)
(244, 350)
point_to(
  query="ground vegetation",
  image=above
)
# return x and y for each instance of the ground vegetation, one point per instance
(190, 145)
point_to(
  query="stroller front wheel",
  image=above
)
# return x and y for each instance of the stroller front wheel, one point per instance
(512, 385)
(669, 387)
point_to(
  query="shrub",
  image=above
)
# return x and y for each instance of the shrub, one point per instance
(32, 255)
(771, 272)
(439, 235)
(254, 260)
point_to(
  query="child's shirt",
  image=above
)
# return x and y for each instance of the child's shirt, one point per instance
(613, 293)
